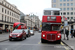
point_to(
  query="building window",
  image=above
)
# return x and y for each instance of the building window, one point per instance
(71, 0)
(5, 18)
(60, 4)
(71, 17)
(5, 4)
(8, 12)
(61, 13)
(2, 2)
(12, 14)
(67, 17)
(61, 9)
(64, 9)
(71, 8)
(71, 13)
(67, 4)
(74, 13)
(71, 4)
(8, 6)
(67, 8)
(54, 5)
(60, 0)
(64, 4)
(64, 0)
(64, 13)
(74, 8)
(10, 19)
(2, 9)
(67, 13)
(5, 10)
(67, 0)
(2, 17)
(54, 1)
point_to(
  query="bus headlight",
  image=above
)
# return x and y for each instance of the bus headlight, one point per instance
(58, 36)
(43, 35)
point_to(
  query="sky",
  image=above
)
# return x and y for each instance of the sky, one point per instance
(32, 6)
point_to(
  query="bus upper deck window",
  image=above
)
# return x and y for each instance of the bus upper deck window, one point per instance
(47, 12)
(56, 12)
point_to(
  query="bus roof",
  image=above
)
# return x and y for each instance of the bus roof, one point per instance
(53, 9)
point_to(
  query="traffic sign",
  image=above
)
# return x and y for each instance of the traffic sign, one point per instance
(40, 25)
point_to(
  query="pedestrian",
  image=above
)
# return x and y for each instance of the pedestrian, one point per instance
(11, 29)
(71, 32)
(67, 33)
(0, 31)
(74, 33)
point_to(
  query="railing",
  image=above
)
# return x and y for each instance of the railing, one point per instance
(6, 21)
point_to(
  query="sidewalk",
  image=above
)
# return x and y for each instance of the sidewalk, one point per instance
(4, 37)
(70, 42)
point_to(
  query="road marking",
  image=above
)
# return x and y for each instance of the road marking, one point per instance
(62, 43)
(65, 46)
(39, 42)
(5, 48)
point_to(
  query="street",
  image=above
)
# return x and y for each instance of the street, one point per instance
(31, 43)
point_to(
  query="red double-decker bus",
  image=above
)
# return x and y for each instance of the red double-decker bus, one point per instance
(19, 25)
(51, 22)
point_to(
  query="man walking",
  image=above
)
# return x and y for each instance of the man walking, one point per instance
(67, 33)
(74, 33)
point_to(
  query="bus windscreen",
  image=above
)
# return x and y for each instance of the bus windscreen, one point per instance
(46, 27)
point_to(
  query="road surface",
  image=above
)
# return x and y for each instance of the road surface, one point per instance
(31, 43)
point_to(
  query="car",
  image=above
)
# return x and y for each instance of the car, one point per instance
(27, 32)
(0, 30)
(39, 30)
(17, 34)
(31, 32)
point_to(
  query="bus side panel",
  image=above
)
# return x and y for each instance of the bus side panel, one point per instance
(19, 27)
(44, 19)
(58, 19)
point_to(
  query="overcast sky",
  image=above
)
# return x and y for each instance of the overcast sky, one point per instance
(32, 6)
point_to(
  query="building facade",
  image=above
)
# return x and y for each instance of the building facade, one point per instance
(8, 14)
(28, 21)
(22, 17)
(67, 8)
(35, 20)
(32, 21)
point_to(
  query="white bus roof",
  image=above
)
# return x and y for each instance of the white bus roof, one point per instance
(53, 9)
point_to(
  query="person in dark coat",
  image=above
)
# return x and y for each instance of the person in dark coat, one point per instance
(67, 33)
(71, 33)
(74, 33)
